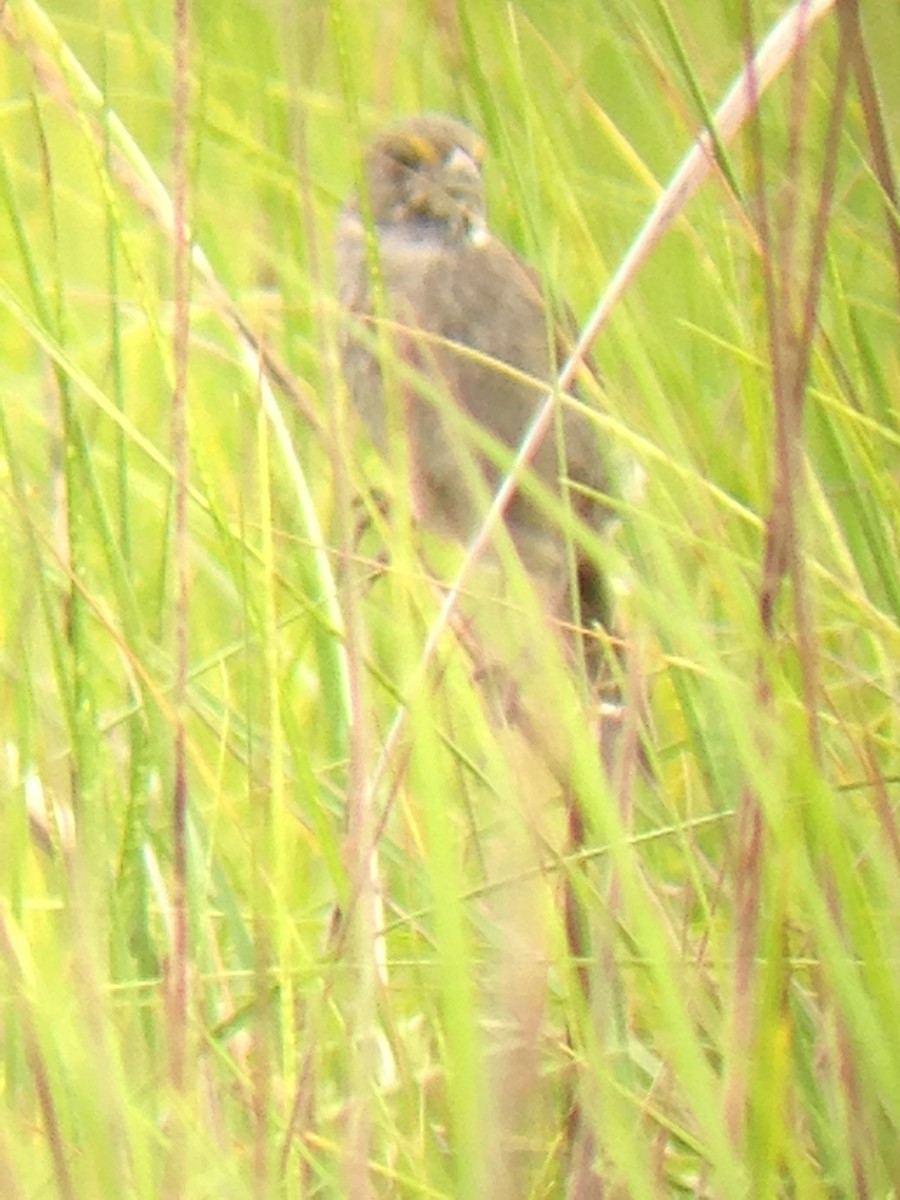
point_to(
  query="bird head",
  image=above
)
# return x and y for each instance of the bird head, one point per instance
(426, 171)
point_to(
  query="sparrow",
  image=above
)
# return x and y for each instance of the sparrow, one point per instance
(449, 342)
(473, 344)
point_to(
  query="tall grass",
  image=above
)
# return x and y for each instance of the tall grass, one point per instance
(343, 969)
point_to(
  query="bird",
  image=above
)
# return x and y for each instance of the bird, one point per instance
(449, 341)
(472, 337)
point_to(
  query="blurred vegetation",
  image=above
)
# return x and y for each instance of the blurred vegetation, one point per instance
(744, 1038)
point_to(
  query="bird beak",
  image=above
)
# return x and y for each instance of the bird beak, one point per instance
(461, 163)
(466, 174)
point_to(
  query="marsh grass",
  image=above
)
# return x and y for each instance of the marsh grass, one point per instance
(183, 1014)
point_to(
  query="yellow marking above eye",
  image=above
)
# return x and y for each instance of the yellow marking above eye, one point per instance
(412, 149)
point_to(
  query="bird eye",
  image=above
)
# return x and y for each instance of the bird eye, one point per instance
(412, 151)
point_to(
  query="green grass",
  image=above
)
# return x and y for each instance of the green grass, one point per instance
(743, 1032)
